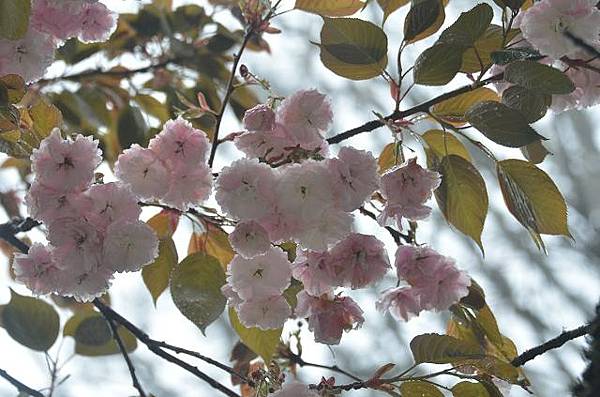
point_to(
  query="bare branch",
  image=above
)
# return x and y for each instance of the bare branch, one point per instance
(20, 386)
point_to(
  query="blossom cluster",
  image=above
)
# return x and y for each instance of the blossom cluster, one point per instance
(172, 169)
(93, 229)
(50, 24)
(546, 27)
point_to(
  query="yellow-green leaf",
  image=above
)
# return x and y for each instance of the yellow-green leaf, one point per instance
(439, 144)
(469, 389)
(13, 87)
(453, 110)
(30, 321)
(535, 152)
(196, 289)
(533, 199)
(93, 336)
(330, 8)
(389, 6)
(438, 65)
(353, 48)
(389, 157)
(214, 242)
(156, 275)
(45, 118)
(487, 44)
(14, 18)
(424, 18)
(443, 349)
(469, 26)
(263, 343)
(462, 196)
(153, 107)
(164, 223)
(419, 388)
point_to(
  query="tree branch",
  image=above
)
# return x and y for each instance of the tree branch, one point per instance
(9, 230)
(130, 367)
(154, 347)
(296, 359)
(554, 343)
(20, 386)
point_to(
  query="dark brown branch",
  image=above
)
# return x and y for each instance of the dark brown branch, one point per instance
(421, 108)
(130, 367)
(582, 44)
(554, 343)
(9, 230)
(155, 348)
(296, 359)
(20, 386)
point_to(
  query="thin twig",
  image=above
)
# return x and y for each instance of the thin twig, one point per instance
(21, 387)
(130, 367)
(396, 235)
(296, 359)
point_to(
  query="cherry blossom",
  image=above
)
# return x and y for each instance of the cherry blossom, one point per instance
(259, 118)
(331, 227)
(233, 299)
(97, 23)
(188, 186)
(262, 276)
(306, 114)
(544, 25)
(144, 173)
(311, 268)
(327, 317)
(249, 239)
(37, 269)
(402, 302)
(357, 261)
(265, 313)
(294, 389)
(60, 18)
(129, 246)
(29, 56)
(85, 285)
(47, 204)
(406, 188)
(112, 202)
(179, 143)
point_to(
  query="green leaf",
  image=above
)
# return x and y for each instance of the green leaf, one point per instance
(469, 26)
(196, 289)
(532, 104)
(424, 18)
(489, 42)
(131, 127)
(45, 118)
(389, 6)
(164, 223)
(330, 8)
(442, 349)
(93, 336)
(535, 152)
(30, 321)
(538, 77)
(389, 157)
(14, 18)
(439, 144)
(469, 389)
(438, 65)
(156, 275)
(453, 110)
(263, 343)
(501, 124)
(533, 199)
(508, 55)
(153, 107)
(12, 87)
(353, 48)
(419, 388)
(462, 196)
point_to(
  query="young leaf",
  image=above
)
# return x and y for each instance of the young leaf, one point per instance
(156, 275)
(533, 199)
(153, 107)
(442, 349)
(501, 124)
(538, 77)
(469, 389)
(330, 8)
(418, 388)
(389, 6)
(388, 158)
(440, 144)
(263, 343)
(164, 223)
(438, 65)
(196, 289)
(30, 321)
(13, 87)
(424, 18)
(14, 18)
(462, 196)
(353, 48)
(453, 110)
(93, 336)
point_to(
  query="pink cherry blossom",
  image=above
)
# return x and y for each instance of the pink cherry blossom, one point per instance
(144, 173)
(329, 318)
(331, 227)
(179, 143)
(245, 189)
(354, 176)
(272, 146)
(544, 25)
(188, 186)
(129, 246)
(112, 202)
(60, 18)
(249, 239)
(85, 285)
(261, 276)
(97, 23)
(259, 118)
(294, 389)
(29, 57)
(587, 85)
(402, 303)
(233, 299)
(357, 261)
(65, 164)
(47, 204)
(77, 242)
(311, 269)
(264, 313)
(37, 269)
(406, 188)
(306, 114)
